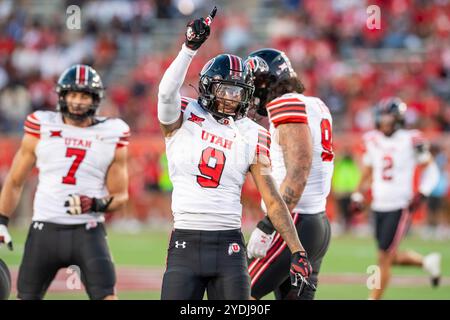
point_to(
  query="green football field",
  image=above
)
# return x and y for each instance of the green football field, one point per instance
(141, 258)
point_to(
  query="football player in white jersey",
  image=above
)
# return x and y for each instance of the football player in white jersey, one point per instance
(302, 157)
(82, 162)
(391, 156)
(211, 145)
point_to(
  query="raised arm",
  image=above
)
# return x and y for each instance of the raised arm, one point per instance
(169, 98)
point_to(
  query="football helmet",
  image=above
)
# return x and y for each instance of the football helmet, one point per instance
(79, 78)
(226, 87)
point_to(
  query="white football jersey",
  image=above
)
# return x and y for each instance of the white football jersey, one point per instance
(72, 160)
(298, 108)
(393, 160)
(208, 163)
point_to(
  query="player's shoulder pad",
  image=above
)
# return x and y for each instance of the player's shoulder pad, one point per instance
(417, 138)
(43, 116)
(289, 108)
(34, 121)
(263, 144)
(370, 136)
(263, 137)
(185, 102)
(119, 129)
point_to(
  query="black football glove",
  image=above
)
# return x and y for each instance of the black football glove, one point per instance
(4, 234)
(300, 271)
(198, 31)
(79, 204)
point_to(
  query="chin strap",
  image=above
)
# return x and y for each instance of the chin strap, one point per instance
(236, 129)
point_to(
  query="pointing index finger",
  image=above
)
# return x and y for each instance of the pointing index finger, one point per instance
(211, 16)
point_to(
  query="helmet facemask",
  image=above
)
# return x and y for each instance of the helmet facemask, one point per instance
(226, 87)
(91, 110)
(230, 100)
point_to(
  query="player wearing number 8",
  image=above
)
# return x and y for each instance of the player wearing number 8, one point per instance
(81, 159)
(211, 145)
(302, 155)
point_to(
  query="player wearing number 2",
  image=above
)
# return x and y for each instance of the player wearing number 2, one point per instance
(391, 156)
(82, 174)
(211, 145)
(301, 129)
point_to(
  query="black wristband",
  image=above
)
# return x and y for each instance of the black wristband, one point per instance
(4, 219)
(101, 205)
(265, 225)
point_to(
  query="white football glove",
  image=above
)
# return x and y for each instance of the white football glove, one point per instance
(259, 244)
(5, 237)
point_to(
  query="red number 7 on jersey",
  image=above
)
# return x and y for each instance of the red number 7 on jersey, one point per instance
(79, 155)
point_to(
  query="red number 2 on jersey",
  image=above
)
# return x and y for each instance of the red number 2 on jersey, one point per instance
(211, 172)
(327, 140)
(79, 155)
(388, 164)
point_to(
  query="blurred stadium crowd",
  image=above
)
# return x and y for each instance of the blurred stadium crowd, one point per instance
(337, 57)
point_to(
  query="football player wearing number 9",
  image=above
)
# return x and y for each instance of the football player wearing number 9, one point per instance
(82, 162)
(391, 156)
(211, 145)
(302, 155)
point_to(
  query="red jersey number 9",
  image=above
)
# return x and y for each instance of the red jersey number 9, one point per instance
(211, 167)
(327, 140)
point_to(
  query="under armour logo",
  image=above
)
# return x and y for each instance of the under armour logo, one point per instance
(38, 225)
(179, 244)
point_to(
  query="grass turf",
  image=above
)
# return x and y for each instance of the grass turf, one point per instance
(346, 255)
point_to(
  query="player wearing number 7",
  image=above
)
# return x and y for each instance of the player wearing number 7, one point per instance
(302, 155)
(82, 162)
(211, 145)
